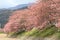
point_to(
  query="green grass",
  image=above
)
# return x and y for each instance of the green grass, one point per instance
(42, 33)
(47, 32)
(58, 33)
(15, 34)
(32, 32)
(38, 33)
(1, 32)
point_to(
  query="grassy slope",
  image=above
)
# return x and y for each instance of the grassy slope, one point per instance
(38, 33)
(46, 32)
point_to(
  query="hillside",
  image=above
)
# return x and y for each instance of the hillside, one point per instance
(38, 15)
(5, 13)
(40, 21)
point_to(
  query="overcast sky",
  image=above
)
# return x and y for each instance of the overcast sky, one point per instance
(12, 3)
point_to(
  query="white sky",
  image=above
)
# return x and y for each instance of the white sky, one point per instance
(11, 3)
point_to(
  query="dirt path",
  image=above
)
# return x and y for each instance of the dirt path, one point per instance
(3, 37)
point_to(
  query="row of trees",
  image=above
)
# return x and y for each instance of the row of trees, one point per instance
(38, 15)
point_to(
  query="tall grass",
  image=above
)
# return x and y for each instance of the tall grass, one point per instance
(48, 31)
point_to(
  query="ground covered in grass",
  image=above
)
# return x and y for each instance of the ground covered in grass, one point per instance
(50, 32)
